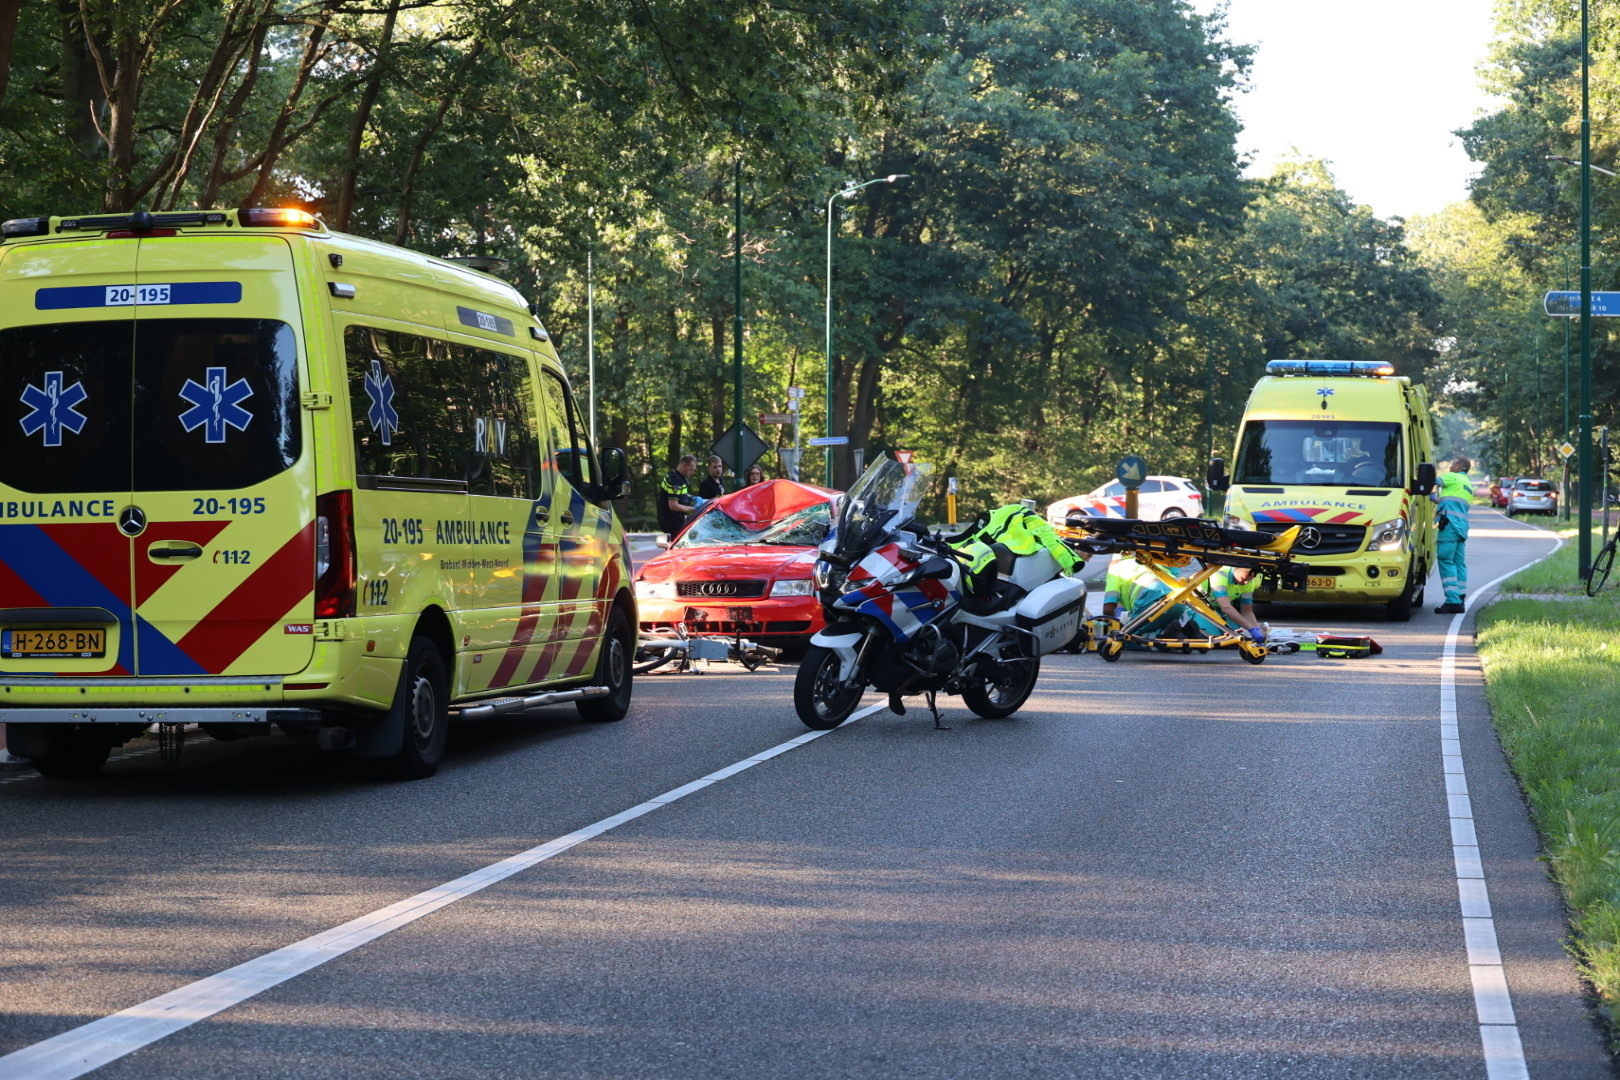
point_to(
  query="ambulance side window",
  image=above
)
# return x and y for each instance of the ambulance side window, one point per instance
(498, 451)
(569, 441)
(398, 432)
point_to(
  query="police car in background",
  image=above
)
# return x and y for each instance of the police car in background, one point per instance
(1158, 498)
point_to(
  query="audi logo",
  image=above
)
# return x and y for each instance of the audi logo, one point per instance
(717, 588)
(1310, 536)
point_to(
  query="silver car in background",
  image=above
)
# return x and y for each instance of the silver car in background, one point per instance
(1530, 496)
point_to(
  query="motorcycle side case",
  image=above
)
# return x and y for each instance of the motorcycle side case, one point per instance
(1052, 612)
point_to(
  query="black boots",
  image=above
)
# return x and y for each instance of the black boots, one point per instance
(1449, 609)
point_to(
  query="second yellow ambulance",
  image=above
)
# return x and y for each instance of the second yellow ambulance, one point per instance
(1345, 450)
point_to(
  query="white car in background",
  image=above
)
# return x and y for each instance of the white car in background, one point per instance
(1158, 498)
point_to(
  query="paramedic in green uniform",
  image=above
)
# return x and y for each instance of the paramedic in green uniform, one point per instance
(1131, 588)
(1231, 592)
(1453, 493)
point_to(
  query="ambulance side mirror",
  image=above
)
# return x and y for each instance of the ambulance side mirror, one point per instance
(616, 474)
(1216, 477)
(1426, 479)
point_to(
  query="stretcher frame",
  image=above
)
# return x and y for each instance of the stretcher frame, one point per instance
(1164, 546)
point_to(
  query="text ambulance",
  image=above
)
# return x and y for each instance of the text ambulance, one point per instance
(258, 473)
(1343, 449)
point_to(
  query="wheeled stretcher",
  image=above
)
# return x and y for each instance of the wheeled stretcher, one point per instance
(1165, 546)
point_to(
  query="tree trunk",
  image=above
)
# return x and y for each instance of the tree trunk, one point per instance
(362, 116)
(408, 182)
(225, 130)
(674, 439)
(279, 140)
(9, 11)
(82, 93)
(717, 394)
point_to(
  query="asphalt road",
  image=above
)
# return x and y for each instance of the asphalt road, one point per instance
(1164, 867)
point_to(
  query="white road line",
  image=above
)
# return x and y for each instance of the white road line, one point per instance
(1493, 1005)
(76, 1052)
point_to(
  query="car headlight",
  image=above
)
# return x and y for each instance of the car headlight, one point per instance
(793, 587)
(1232, 521)
(655, 590)
(1388, 535)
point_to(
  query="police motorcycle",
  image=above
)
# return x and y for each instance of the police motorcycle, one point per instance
(904, 616)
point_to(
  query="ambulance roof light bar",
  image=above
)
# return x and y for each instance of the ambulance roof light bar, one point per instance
(145, 222)
(1366, 368)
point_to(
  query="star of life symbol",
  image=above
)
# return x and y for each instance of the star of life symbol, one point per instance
(380, 389)
(54, 408)
(216, 405)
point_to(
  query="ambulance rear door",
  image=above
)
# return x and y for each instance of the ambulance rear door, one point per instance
(223, 561)
(66, 356)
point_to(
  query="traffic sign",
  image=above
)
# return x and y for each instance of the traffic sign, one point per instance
(829, 440)
(775, 418)
(1131, 471)
(1566, 449)
(753, 447)
(795, 392)
(904, 456)
(1567, 303)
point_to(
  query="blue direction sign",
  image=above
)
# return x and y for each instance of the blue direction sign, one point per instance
(1131, 471)
(830, 440)
(1564, 304)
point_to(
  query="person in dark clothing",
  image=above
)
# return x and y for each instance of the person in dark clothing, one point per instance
(712, 487)
(675, 500)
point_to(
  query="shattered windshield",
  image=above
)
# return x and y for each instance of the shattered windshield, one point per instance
(802, 528)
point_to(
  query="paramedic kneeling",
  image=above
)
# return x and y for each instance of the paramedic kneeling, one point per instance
(1231, 591)
(1453, 494)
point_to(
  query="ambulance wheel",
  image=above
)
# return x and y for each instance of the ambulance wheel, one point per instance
(1110, 650)
(1400, 608)
(998, 700)
(422, 706)
(612, 671)
(69, 755)
(821, 701)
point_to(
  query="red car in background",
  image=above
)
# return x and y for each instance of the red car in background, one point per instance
(745, 559)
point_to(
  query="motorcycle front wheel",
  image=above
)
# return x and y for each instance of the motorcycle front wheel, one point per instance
(821, 700)
(999, 697)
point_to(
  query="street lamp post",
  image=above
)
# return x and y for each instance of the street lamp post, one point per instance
(844, 192)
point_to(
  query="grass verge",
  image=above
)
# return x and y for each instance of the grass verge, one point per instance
(1552, 670)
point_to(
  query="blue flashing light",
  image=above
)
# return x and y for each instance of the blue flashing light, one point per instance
(1365, 368)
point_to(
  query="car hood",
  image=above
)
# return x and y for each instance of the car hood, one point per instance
(750, 562)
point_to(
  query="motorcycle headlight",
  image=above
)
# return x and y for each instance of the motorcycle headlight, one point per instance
(655, 590)
(794, 587)
(1388, 535)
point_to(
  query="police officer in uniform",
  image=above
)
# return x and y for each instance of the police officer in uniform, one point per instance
(675, 500)
(1453, 494)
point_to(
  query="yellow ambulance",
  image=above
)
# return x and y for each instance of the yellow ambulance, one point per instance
(1345, 450)
(259, 474)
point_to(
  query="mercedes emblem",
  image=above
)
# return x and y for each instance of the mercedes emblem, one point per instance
(132, 521)
(1310, 536)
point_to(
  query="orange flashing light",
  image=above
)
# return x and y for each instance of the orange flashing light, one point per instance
(282, 217)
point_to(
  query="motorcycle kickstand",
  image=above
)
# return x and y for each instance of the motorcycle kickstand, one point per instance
(933, 708)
